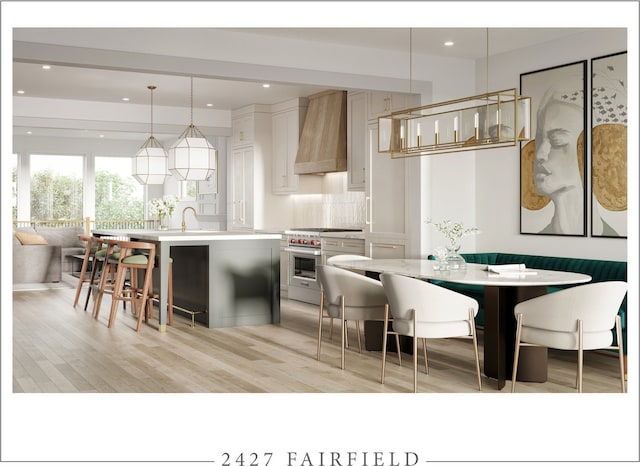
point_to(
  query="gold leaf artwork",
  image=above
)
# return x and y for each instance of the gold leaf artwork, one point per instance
(609, 153)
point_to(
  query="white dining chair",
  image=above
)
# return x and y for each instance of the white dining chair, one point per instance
(333, 260)
(577, 318)
(423, 310)
(348, 296)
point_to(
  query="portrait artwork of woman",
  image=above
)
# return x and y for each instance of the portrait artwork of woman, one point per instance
(553, 164)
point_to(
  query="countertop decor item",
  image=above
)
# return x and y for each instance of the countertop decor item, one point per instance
(453, 232)
(163, 209)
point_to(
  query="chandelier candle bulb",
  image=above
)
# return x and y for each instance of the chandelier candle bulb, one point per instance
(437, 133)
(455, 129)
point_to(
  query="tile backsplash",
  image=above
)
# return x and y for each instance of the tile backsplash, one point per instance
(341, 210)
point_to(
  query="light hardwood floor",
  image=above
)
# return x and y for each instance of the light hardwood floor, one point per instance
(57, 348)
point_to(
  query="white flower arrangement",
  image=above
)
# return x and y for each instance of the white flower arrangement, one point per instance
(162, 207)
(453, 231)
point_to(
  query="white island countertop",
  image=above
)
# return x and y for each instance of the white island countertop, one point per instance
(188, 235)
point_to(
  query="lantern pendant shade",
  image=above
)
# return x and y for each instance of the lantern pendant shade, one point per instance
(192, 157)
(150, 163)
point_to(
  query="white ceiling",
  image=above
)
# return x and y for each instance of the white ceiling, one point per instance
(107, 85)
(112, 86)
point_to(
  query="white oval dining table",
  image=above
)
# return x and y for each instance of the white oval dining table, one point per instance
(502, 291)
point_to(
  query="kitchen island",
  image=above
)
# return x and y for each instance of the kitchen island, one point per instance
(226, 278)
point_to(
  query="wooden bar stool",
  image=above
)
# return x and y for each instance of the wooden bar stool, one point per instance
(89, 253)
(97, 260)
(155, 296)
(135, 257)
(108, 258)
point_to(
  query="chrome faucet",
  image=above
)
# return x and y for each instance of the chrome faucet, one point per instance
(184, 225)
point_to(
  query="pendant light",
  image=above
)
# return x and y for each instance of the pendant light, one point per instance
(485, 121)
(150, 162)
(192, 157)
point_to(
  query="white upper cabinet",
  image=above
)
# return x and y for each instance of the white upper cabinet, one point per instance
(383, 103)
(356, 140)
(250, 154)
(386, 191)
(286, 124)
(242, 131)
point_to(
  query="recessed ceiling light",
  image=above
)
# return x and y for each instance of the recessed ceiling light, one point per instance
(126, 99)
(20, 91)
(209, 105)
(449, 43)
(46, 67)
(266, 85)
(29, 132)
(102, 135)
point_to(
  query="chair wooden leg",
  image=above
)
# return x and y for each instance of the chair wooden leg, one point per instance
(81, 279)
(117, 292)
(385, 327)
(621, 356)
(475, 348)
(424, 351)
(517, 352)
(97, 265)
(146, 290)
(320, 315)
(343, 329)
(580, 356)
(104, 274)
(415, 355)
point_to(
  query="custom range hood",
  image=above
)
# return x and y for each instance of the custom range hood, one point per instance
(323, 143)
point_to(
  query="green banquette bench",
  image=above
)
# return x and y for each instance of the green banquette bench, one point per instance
(599, 270)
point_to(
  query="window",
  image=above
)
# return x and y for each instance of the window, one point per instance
(14, 186)
(118, 195)
(56, 187)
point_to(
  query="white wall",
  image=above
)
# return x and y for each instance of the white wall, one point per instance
(497, 190)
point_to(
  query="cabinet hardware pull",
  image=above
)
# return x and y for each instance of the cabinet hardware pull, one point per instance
(367, 207)
(385, 246)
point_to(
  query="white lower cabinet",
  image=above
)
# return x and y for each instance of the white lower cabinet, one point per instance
(386, 249)
(337, 246)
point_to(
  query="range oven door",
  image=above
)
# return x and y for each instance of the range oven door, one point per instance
(303, 282)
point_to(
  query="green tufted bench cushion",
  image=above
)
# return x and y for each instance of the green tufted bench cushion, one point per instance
(599, 270)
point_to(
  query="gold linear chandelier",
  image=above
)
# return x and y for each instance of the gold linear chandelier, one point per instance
(485, 121)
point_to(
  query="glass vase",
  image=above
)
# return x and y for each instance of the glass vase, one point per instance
(163, 222)
(454, 260)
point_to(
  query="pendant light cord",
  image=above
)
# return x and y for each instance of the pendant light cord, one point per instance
(191, 100)
(410, 61)
(151, 88)
(151, 112)
(487, 63)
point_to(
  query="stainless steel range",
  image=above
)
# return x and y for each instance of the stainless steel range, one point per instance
(305, 253)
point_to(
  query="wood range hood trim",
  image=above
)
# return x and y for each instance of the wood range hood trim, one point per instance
(323, 142)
